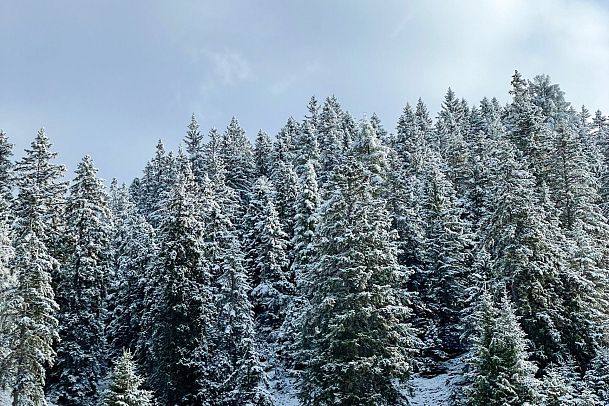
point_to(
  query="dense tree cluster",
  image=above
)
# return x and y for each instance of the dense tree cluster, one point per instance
(338, 257)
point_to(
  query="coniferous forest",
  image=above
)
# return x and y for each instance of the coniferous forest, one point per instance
(344, 261)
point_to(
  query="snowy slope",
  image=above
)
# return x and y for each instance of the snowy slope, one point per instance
(437, 390)
(5, 399)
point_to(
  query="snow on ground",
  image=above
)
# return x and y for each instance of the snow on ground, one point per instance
(437, 390)
(5, 398)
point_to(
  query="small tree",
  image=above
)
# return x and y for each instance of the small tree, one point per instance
(125, 388)
(501, 373)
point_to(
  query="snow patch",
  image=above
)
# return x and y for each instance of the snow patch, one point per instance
(437, 390)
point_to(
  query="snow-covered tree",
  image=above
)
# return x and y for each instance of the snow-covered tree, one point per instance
(195, 148)
(159, 175)
(500, 372)
(37, 175)
(81, 291)
(6, 168)
(29, 327)
(527, 254)
(182, 312)
(446, 258)
(125, 389)
(133, 253)
(263, 148)
(355, 337)
(267, 261)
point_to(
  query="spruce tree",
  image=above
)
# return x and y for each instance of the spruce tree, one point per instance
(133, 253)
(500, 371)
(355, 337)
(446, 256)
(37, 175)
(263, 147)
(6, 168)
(267, 261)
(28, 322)
(81, 291)
(182, 308)
(159, 176)
(125, 387)
(195, 148)
(527, 254)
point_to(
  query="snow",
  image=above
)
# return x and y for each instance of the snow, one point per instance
(5, 399)
(437, 390)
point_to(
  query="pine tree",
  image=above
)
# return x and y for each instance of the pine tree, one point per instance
(181, 312)
(306, 219)
(308, 147)
(6, 168)
(355, 336)
(81, 291)
(195, 148)
(266, 257)
(527, 255)
(28, 310)
(330, 140)
(159, 176)
(133, 253)
(125, 388)
(446, 255)
(285, 185)
(263, 148)
(586, 292)
(238, 158)
(239, 375)
(597, 376)
(500, 372)
(37, 175)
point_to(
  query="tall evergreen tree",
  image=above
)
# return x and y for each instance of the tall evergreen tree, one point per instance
(37, 175)
(133, 253)
(263, 148)
(501, 373)
(355, 335)
(447, 245)
(28, 322)
(81, 291)
(267, 261)
(527, 255)
(181, 315)
(159, 176)
(6, 168)
(195, 148)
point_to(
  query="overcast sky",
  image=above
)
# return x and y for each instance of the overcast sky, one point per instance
(109, 78)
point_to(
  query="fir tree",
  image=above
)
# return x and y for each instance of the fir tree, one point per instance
(159, 175)
(37, 175)
(267, 261)
(597, 377)
(180, 315)
(125, 387)
(133, 253)
(6, 168)
(195, 148)
(28, 310)
(263, 148)
(527, 255)
(81, 291)
(500, 372)
(355, 336)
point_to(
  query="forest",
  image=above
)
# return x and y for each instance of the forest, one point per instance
(337, 263)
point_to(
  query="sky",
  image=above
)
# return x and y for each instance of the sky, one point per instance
(110, 78)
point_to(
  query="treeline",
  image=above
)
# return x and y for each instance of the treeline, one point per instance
(338, 255)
